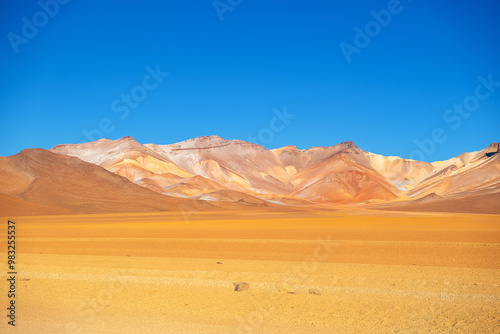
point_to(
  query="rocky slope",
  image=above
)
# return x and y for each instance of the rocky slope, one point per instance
(37, 181)
(342, 173)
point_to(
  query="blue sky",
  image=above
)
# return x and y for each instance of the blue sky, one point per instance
(236, 66)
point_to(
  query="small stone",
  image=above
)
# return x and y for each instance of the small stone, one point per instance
(285, 287)
(314, 292)
(219, 262)
(241, 286)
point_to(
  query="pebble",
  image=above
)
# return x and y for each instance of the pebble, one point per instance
(285, 287)
(241, 286)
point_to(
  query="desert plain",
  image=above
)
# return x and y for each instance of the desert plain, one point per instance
(307, 271)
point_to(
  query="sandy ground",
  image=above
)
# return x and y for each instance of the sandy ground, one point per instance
(309, 272)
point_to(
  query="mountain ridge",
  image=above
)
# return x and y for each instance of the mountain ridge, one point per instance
(234, 173)
(287, 171)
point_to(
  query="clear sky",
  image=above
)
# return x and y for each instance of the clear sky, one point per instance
(384, 74)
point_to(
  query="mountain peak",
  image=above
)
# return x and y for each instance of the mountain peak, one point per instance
(288, 148)
(494, 146)
(349, 144)
(211, 138)
(127, 141)
(205, 142)
(342, 173)
(493, 149)
(126, 138)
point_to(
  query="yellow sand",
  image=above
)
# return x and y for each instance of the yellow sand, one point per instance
(350, 271)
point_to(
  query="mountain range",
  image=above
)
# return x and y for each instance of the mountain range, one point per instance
(214, 173)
